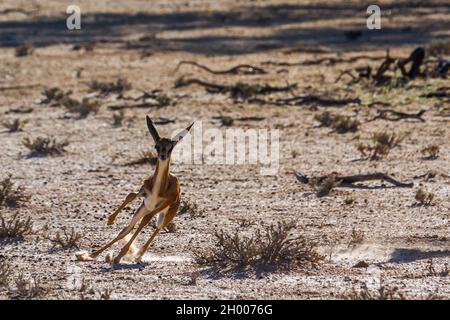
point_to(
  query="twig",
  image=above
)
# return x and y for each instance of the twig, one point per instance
(346, 180)
(345, 72)
(239, 69)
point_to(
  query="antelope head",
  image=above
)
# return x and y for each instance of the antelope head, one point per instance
(164, 146)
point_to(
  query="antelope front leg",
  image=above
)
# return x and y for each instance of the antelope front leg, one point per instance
(130, 197)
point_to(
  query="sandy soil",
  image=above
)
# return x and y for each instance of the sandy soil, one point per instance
(80, 188)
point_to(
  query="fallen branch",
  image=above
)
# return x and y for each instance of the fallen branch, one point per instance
(239, 69)
(307, 100)
(349, 180)
(29, 86)
(239, 89)
(392, 115)
(327, 61)
(443, 92)
(135, 106)
(18, 10)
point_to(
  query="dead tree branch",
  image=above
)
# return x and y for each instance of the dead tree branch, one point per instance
(393, 115)
(343, 181)
(245, 69)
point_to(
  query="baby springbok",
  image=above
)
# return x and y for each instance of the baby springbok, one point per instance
(161, 193)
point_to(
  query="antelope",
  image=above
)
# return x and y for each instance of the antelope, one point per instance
(161, 193)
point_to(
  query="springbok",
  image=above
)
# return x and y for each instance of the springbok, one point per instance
(161, 193)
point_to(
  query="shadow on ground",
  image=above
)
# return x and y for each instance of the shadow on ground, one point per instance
(114, 28)
(402, 255)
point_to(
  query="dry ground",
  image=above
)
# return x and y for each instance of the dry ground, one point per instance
(80, 188)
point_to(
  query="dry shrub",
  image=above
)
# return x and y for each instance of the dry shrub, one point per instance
(146, 157)
(55, 95)
(439, 48)
(339, 123)
(87, 292)
(271, 249)
(5, 273)
(83, 108)
(24, 50)
(11, 196)
(383, 143)
(45, 146)
(15, 125)
(15, 228)
(28, 288)
(424, 197)
(357, 237)
(382, 293)
(188, 206)
(431, 270)
(105, 88)
(171, 228)
(118, 118)
(66, 240)
(431, 152)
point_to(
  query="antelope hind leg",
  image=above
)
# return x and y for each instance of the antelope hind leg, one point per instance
(127, 246)
(164, 219)
(140, 213)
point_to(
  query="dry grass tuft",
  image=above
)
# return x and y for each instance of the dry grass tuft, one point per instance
(271, 249)
(356, 237)
(146, 157)
(188, 206)
(439, 48)
(11, 196)
(382, 293)
(5, 273)
(431, 270)
(83, 108)
(28, 288)
(24, 50)
(15, 228)
(424, 197)
(66, 240)
(171, 228)
(383, 143)
(431, 152)
(105, 88)
(339, 123)
(118, 118)
(15, 125)
(55, 95)
(45, 146)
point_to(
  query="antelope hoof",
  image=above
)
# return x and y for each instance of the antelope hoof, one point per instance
(84, 256)
(117, 260)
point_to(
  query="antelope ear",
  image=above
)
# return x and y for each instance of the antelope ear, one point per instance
(182, 133)
(152, 130)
